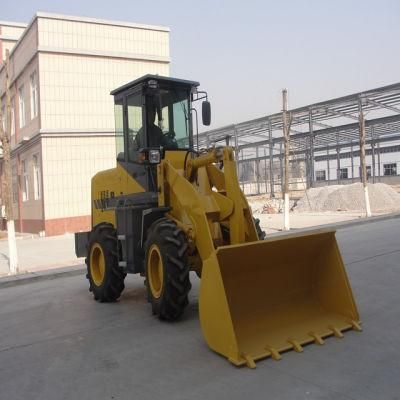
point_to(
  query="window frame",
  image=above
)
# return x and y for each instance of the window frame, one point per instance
(25, 180)
(341, 173)
(389, 167)
(317, 177)
(21, 106)
(34, 95)
(37, 181)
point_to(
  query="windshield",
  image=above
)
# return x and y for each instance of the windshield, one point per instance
(171, 115)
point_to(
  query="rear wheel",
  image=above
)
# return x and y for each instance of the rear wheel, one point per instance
(167, 270)
(106, 278)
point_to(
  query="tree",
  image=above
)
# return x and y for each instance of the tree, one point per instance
(7, 174)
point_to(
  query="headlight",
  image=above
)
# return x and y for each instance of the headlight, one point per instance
(154, 156)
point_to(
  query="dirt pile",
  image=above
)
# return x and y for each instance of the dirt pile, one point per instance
(383, 198)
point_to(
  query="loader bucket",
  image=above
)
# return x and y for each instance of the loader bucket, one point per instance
(262, 298)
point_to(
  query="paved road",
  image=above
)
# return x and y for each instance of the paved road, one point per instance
(56, 343)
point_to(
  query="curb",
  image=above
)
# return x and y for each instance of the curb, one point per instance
(340, 225)
(363, 221)
(30, 277)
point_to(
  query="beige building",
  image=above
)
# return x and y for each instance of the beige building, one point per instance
(62, 70)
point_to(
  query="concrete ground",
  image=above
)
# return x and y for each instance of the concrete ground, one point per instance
(57, 343)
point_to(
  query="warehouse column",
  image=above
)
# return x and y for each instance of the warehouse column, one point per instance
(286, 226)
(364, 177)
(337, 158)
(311, 163)
(352, 161)
(243, 176)
(265, 170)
(257, 170)
(236, 149)
(379, 160)
(327, 164)
(373, 153)
(271, 160)
(281, 165)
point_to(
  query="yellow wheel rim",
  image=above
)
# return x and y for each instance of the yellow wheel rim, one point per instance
(155, 271)
(97, 264)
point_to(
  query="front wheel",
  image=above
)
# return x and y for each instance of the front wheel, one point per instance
(167, 270)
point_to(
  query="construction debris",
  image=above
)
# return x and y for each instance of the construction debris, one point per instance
(265, 205)
(383, 198)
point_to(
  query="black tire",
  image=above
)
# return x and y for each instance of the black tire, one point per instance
(109, 285)
(260, 233)
(169, 243)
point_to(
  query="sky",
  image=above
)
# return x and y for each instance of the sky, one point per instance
(245, 52)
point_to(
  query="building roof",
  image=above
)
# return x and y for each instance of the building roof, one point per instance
(14, 24)
(100, 21)
(159, 78)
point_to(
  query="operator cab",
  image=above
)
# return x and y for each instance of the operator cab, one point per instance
(152, 115)
(153, 112)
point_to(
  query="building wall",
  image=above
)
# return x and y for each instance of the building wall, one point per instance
(31, 207)
(75, 89)
(96, 37)
(24, 50)
(69, 164)
(385, 158)
(11, 30)
(32, 123)
(77, 61)
(9, 35)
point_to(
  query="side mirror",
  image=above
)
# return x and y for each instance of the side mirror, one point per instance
(206, 112)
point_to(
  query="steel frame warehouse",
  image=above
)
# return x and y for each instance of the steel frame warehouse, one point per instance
(324, 130)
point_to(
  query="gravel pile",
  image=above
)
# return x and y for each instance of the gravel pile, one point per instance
(382, 197)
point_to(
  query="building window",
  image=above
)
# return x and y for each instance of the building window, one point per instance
(14, 179)
(320, 175)
(343, 173)
(21, 98)
(25, 180)
(36, 177)
(390, 169)
(12, 118)
(34, 96)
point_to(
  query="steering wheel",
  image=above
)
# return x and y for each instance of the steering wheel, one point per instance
(169, 140)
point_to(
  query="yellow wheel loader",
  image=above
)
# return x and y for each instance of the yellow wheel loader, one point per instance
(168, 208)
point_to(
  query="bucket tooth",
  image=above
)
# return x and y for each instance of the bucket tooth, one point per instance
(296, 345)
(336, 331)
(355, 325)
(249, 361)
(274, 353)
(317, 338)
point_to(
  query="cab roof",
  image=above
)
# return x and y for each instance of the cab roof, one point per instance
(161, 79)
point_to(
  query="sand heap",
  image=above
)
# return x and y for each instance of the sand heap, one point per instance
(383, 198)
